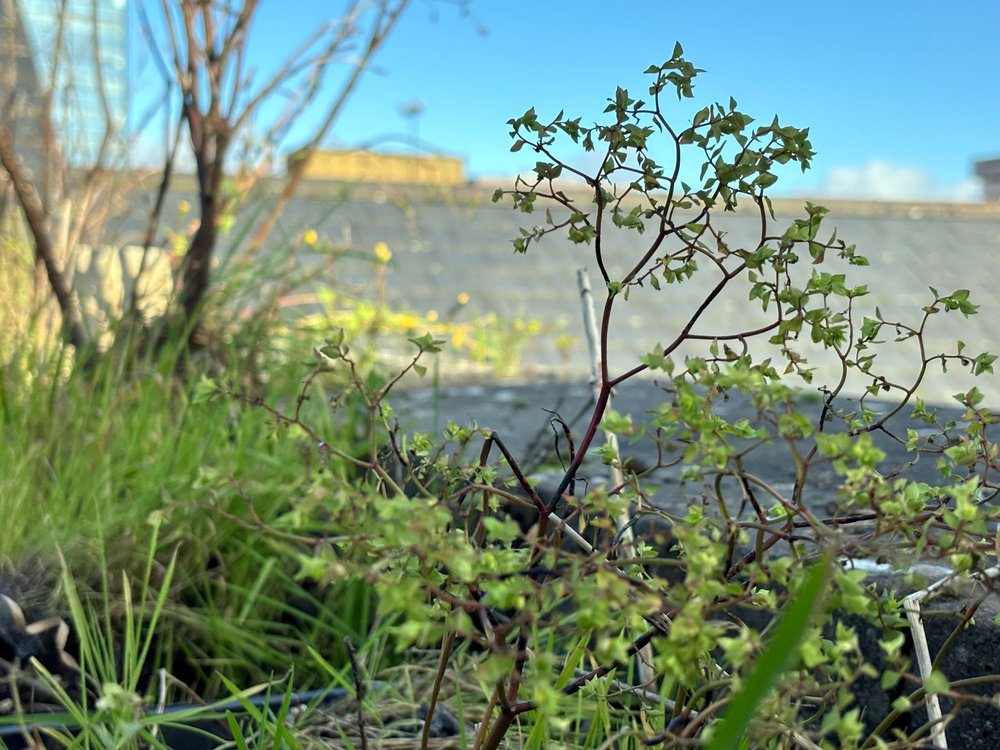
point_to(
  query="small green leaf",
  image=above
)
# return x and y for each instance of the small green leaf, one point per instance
(766, 179)
(936, 682)
(902, 704)
(427, 343)
(618, 423)
(205, 391)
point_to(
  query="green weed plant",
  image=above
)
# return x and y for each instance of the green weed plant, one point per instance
(674, 637)
(311, 516)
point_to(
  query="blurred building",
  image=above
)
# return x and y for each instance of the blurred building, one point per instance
(988, 171)
(382, 168)
(79, 50)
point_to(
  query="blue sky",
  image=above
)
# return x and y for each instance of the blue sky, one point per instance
(901, 97)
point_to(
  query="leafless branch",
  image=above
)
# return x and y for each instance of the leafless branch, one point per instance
(34, 214)
(388, 14)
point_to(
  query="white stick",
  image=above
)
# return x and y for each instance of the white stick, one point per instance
(622, 522)
(912, 606)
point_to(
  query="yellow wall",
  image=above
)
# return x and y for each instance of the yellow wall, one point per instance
(368, 166)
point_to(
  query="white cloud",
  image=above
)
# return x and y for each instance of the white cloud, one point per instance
(883, 180)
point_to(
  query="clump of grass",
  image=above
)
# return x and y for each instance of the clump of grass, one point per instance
(104, 464)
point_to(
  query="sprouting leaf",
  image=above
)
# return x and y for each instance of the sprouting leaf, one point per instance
(205, 390)
(427, 343)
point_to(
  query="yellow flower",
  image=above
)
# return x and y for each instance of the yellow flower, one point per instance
(310, 237)
(432, 315)
(463, 298)
(178, 243)
(382, 252)
(459, 337)
(183, 207)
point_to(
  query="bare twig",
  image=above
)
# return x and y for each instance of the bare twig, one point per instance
(359, 690)
(446, 646)
(388, 14)
(34, 213)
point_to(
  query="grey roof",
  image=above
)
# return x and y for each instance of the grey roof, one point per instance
(446, 247)
(444, 244)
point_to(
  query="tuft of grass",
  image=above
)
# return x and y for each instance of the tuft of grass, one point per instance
(109, 465)
(106, 708)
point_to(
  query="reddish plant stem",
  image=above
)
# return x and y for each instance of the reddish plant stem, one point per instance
(588, 438)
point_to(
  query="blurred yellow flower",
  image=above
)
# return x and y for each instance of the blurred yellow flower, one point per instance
(310, 237)
(382, 252)
(183, 207)
(463, 298)
(432, 315)
(178, 243)
(226, 222)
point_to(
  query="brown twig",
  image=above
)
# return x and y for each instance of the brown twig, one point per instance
(446, 647)
(34, 214)
(359, 690)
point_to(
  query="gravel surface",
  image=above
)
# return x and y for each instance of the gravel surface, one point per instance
(521, 415)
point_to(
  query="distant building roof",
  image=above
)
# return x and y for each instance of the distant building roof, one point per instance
(376, 167)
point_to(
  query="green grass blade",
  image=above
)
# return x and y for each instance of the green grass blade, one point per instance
(154, 617)
(780, 653)
(236, 731)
